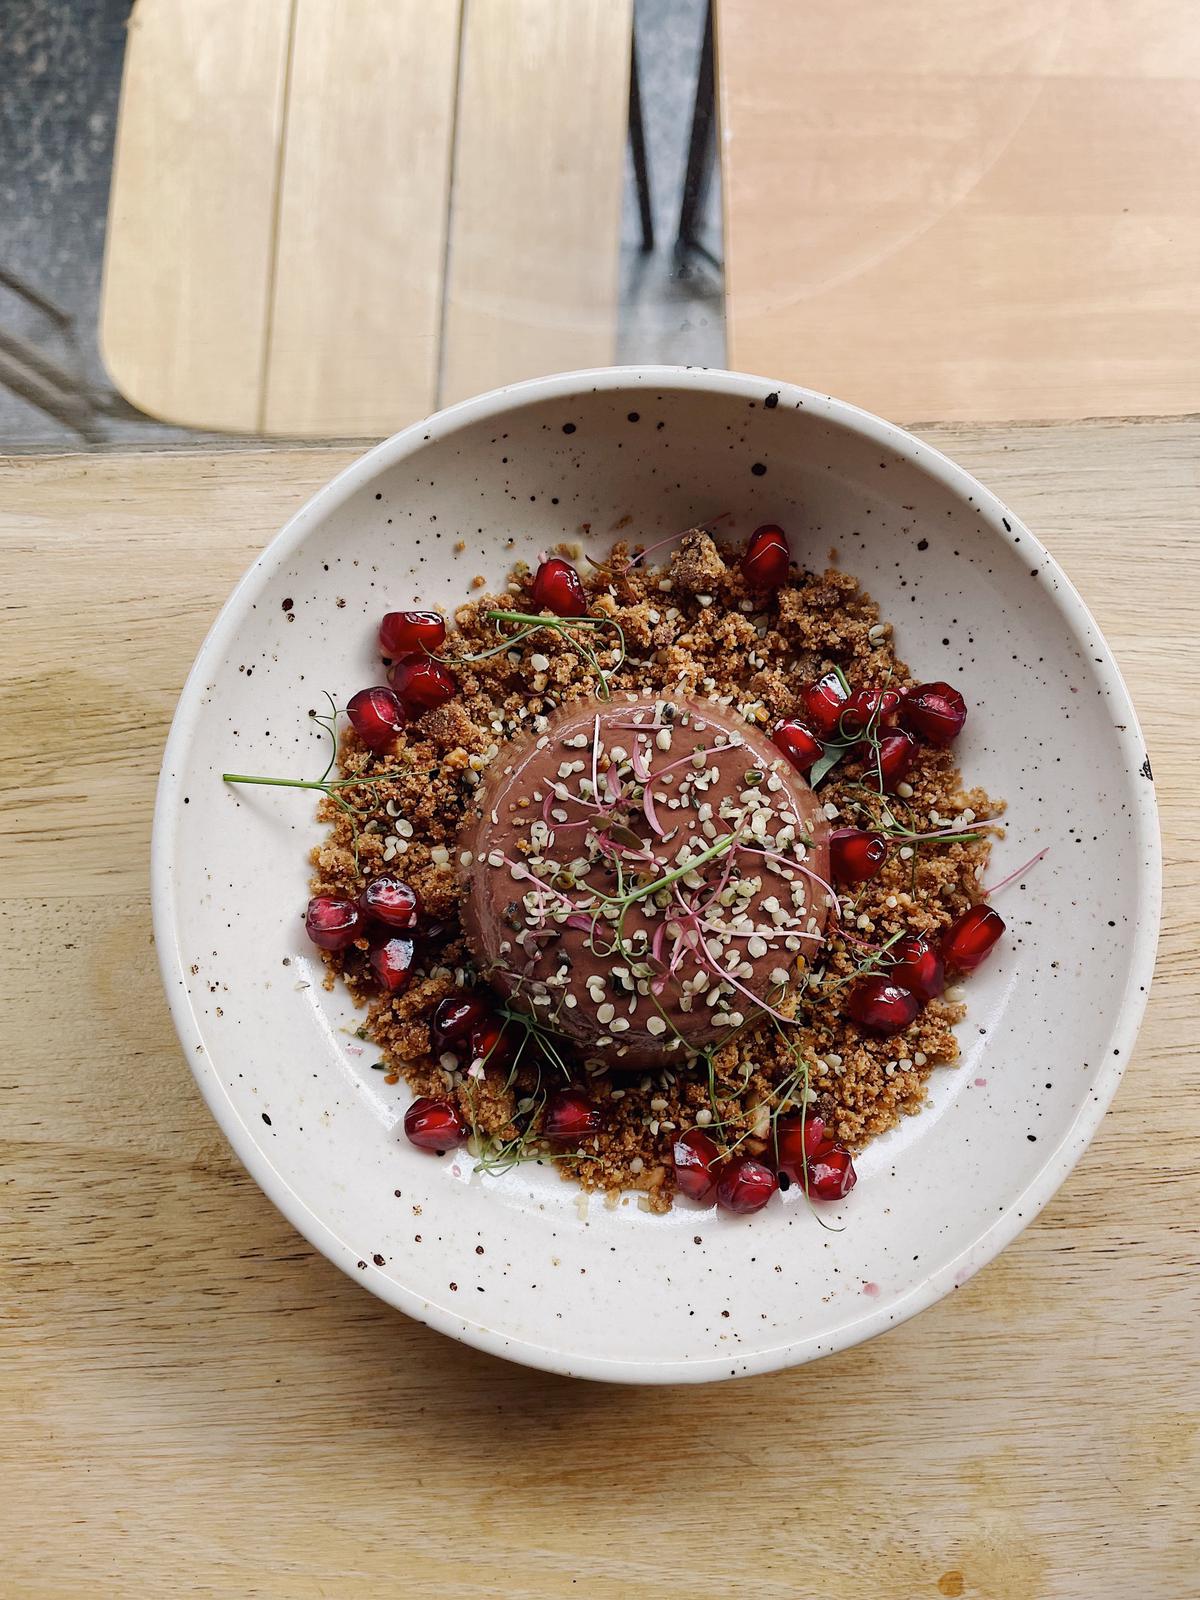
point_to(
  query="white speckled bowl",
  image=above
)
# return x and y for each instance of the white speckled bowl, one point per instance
(517, 1265)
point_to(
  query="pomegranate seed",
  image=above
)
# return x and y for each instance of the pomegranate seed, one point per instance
(918, 966)
(696, 1157)
(435, 930)
(823, 702)
(831, 1176)
(434, 1124)
(894, 758)
(569, 1116)
(799, 1140)
(457, 1016)
(881, 1006)
(557, 587)
(969, 940)
(745, 1185)
(797, 744)
(376, 716)
(875, 708)
(767, 558)
(332, 924)
(935, 712)
(421, 683)
(856, 856)
(408, 633)
(391, 960)
(392, 902)
(494, 1043)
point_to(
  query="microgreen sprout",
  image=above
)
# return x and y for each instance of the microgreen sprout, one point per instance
(331, 787)
(565, 627)
(1014, 876)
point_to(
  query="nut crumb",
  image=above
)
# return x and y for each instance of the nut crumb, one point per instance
(698, 643)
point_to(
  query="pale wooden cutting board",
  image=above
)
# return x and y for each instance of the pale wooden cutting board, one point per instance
(193, 1401)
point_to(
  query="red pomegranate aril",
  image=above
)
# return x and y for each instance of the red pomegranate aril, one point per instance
(823, 702)
(376, 716)
(408, 633)
(391, 961)
(332, 924)
(798, 1140)
(457, 1016)
(874, 708)
(831, 1176)
(421, 683)
(434, 1124)
(882, 1007)
(558, 587)
(856, 856)
(918, 966)
(745, 1185)
(696, 1158)
(569, 1116)
(798, 744)
(895, 757)
(935, 712)
(767, 559)
(392, 902)
(494, 1043)
(971, 939)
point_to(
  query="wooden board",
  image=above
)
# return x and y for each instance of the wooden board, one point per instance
(539, 163)
(193, 1401)
(357, 303)
(191, 242)
(277, 247)
(966, 208)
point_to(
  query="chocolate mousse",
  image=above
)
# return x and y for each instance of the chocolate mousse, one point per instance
(644, 876)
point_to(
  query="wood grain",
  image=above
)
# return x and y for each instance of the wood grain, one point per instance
(531, 285)
(192, 1401)
(357, 303)
(967, 208)
(190, 240)
(287, 175)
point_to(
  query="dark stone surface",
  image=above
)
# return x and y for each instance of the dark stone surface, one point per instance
(60, 77)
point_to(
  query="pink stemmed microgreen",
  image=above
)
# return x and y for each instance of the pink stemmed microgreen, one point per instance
(651, 813)
(798, 866)
(1013, 876)
(725, 976)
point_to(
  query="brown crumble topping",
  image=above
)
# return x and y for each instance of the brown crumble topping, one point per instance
(691, 628)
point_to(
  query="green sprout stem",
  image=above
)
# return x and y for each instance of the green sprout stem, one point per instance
(529, 624)
(714, 850)
(324, 784)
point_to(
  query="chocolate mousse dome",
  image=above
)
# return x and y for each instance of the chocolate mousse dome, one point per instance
(644, 876)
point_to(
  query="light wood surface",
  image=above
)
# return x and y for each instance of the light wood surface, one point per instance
(532, 281)
(288, 252)
(190, 242)
(363, 200)
(965, 208)
(192, 1401)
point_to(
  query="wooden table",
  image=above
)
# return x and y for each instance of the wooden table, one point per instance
(193, 1401)
(965, 208)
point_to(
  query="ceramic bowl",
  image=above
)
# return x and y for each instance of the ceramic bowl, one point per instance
(524, 1265)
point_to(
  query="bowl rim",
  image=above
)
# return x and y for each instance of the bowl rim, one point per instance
(1022, 1207)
